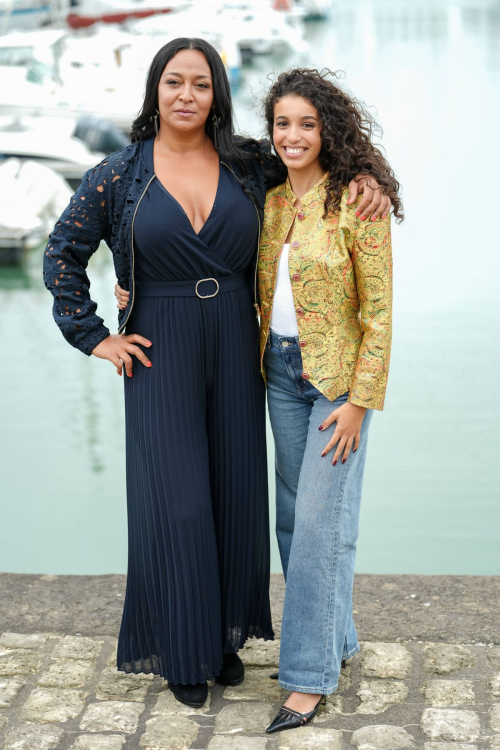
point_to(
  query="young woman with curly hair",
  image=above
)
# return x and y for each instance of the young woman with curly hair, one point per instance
(325, 282)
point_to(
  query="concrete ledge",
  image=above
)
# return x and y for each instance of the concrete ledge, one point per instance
(456, 609)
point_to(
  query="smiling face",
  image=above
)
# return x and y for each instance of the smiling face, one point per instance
(297, 132)
(185, 91)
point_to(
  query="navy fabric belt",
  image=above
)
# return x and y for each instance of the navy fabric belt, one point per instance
(203, 288)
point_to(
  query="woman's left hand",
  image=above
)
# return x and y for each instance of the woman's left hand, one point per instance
(349, 418)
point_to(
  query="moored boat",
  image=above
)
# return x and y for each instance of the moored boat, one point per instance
(118, 11)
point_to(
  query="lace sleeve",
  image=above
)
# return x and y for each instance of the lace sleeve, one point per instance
(273, 169)
(72, 242)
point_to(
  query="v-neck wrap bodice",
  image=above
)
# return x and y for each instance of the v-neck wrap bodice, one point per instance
(167, 248)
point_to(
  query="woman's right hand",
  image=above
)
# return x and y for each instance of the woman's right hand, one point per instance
(120, 349)
(122, 296)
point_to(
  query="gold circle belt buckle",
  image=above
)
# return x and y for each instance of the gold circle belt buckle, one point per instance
(206, 296)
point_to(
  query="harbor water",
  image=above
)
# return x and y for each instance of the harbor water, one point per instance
(431, 70)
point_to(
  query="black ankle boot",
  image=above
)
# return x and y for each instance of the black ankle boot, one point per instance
(232, 671)
(191, 695)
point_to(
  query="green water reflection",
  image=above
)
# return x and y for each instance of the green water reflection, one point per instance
(431, 490)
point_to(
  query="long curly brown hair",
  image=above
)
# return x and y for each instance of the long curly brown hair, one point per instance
(347, 131)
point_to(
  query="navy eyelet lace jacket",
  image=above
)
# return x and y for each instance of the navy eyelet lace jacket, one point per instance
(102, 209)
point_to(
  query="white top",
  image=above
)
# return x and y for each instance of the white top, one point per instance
(283, 317)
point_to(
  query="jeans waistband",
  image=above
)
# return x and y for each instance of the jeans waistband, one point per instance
(276, 339)
(203, 288)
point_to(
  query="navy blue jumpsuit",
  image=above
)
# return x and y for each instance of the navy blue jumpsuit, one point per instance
(198, 526)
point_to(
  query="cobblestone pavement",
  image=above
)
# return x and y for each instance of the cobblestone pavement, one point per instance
(63, 691)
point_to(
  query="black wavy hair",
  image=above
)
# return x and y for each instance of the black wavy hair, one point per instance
(229, 146)
(347, 129)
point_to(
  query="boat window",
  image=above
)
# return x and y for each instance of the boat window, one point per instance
(38, 72)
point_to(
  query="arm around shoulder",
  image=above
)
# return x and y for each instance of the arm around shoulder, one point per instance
(72, 242)
(272, 170)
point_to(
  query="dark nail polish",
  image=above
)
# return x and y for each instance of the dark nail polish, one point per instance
(320, 427)
(354, 450)
(344, 460)
(323, 454)
(335, 463)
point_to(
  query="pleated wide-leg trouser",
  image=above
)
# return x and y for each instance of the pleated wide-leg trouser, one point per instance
(198, 526)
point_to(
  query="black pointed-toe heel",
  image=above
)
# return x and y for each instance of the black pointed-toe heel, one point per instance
(276, 675)
(287, 718)
(191, 695)
(232, 672)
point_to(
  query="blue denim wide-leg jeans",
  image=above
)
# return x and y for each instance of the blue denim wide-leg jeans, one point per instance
(317, 509)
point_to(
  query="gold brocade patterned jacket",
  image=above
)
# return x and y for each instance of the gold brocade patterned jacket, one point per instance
(341, 277)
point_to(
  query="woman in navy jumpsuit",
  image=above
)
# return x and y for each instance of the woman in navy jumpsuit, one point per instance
(195, 436)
